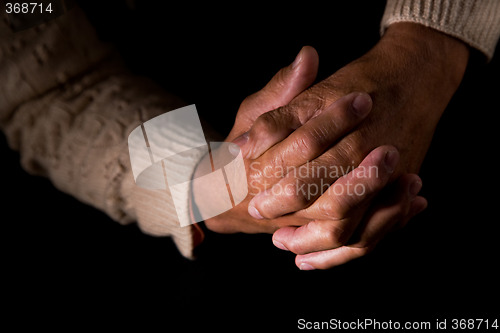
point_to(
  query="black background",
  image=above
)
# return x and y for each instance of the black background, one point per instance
(64, 262)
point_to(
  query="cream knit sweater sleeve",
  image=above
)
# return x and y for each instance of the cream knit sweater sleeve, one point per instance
(67, 104)
(476, 22)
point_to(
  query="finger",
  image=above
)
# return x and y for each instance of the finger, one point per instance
(330, 258)
(339, 214)
(386, 213)
(279, 161)
(289, 82)
(379, 221)
(417, 206)
(304, 139)
(298, 190)
(229, 223)
(308, 141)
(322, 130)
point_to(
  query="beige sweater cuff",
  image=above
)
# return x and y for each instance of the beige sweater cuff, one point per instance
(477, 23)
(67, 105)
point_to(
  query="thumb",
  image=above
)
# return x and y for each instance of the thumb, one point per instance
(285, 85)
(289, 82)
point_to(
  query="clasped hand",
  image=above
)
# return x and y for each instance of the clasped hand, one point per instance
(331, 168)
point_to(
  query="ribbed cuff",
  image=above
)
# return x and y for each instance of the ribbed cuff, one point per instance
(477, 23)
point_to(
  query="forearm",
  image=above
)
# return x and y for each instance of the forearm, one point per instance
(68, 104)
(416, 67)
(441, 55)
(422, 61)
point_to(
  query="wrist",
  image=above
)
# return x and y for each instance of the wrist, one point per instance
(439, 55)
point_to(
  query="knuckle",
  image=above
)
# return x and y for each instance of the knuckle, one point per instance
(400, 211)
(278, 161)
(348, 152)
(311, 143)
(363, 248)
(320, 135)
(266, 122)
(255, 175)
(302, 144)
(270, 171)
(311, 102)
(257, 181)
(330, 88)
(295, 246)
(328, 209)
(335, 235)
(296, 193)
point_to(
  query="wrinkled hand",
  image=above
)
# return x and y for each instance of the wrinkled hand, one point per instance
(288, 83)
(411, 74)
(283, 87)
(409, 89)
(354, 213)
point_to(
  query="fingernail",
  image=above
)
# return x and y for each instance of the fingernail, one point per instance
(390, 160)
(297, 60)
(417, 209)
(421, 209)
(254, 212)
(280, 245)
(414, 188)
(241, 140)
(306, 267)
(361, 104)
(234, 149)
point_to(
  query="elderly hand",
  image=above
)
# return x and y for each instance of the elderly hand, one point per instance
(354, 213)
(289, 82)
(411, 75)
